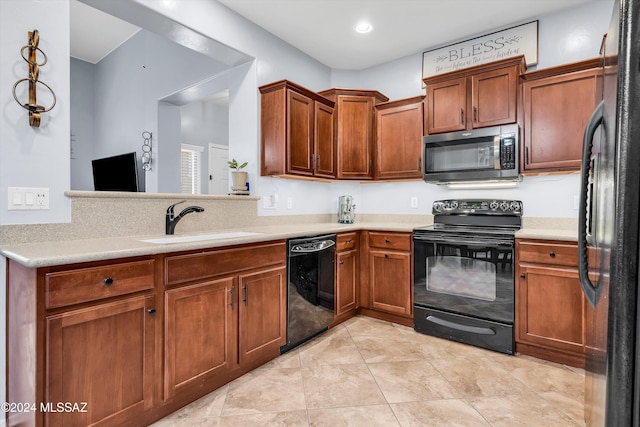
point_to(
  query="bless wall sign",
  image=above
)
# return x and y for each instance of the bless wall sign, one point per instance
(514, 41)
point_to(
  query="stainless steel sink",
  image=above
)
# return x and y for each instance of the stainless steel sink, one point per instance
(199, 237)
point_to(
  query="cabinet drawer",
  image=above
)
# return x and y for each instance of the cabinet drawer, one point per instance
(398, 241)
(346, 241)
(548, 253)
(93, 283)
(189, 267)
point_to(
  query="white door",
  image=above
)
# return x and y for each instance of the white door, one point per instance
(218, 169)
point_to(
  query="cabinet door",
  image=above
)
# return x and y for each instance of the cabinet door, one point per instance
(346, 280)
(556, 111)
(446, 106)
(493, 97)
(200, 334)
(355, 128)
(104, 356)
(390, 281)
(550, 308)
(325, 153)
(299, 133)
(262, 314)
(399, 142)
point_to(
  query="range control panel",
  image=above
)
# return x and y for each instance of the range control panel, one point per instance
(477, 207)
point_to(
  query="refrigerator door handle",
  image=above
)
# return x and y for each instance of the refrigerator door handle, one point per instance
(591, 292)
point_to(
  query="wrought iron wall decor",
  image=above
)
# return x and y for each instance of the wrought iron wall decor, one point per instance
(31, 56)
(146, 150)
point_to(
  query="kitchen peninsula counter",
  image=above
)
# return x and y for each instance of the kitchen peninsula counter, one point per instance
(45, 254)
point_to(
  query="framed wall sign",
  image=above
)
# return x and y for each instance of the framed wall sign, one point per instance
(514, 41)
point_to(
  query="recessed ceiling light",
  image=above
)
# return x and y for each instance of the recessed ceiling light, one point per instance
(364, 27)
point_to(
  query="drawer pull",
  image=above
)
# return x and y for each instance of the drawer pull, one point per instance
(246, 294)
(233, 297)
(341, 262)
(152, 311)
(386, 255)
(386, 241)
(108, 281)
(522, 276)
(348, 241)
(552, 254)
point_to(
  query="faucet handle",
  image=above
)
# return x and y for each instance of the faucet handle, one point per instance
(170, 208)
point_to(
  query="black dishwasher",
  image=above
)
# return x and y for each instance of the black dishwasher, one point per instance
(310, 288)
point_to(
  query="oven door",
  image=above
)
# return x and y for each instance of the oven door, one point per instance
(467, 275)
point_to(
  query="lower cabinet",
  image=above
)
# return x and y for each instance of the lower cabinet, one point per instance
(199, 334)
(386, 274)
(550, 307)
(125, 342)
(346, 276)
(102, 359)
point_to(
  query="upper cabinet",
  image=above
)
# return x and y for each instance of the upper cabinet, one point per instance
(558, 103)
(398, 147)
(355, 130)
(475, 97)
(297, 131)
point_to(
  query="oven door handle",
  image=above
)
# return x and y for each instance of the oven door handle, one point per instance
(460, 327)
(489, 243)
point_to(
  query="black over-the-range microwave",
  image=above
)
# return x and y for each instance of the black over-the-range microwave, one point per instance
(472, 155)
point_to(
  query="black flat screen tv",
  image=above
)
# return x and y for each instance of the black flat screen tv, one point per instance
(116, 173)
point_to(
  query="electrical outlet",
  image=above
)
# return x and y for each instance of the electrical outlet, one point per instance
(414, 203)
(270, 202)
(289, 202)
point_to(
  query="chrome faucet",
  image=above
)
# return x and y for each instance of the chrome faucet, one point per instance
(172, 220)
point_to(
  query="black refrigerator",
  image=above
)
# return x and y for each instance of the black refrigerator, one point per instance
(608, 228)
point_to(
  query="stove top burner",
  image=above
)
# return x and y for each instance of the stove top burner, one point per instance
(475, 216)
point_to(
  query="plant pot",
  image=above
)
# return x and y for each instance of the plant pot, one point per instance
(239, 181)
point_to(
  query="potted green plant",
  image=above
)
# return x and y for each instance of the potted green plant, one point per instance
(238, 176)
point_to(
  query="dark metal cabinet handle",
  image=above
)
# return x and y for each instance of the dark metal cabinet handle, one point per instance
(246, 294)
(552, 254)
(341, 262)
(419, 163)
(386, 255)
(233, 297)
(108, 281)
(461, 116)
(313, 162)
(475, 114)
(522, 276)
(152, 311)
(348, 241)
(317, 162)
(386, 240)
(526, 155)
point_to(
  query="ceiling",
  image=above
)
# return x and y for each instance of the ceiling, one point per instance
(324, 29)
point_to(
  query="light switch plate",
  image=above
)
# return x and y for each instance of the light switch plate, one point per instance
(27, 198)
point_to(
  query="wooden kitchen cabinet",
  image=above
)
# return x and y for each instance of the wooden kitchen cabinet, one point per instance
(386, 276)
(550, 307)
(229, 307)
(398, 148)
(346, 276)
(84, 333)
(355, 130)
(557, 104)
(475, 97)
(297, 132)
(199, 334)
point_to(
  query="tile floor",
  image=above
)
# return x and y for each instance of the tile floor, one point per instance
(367, 372)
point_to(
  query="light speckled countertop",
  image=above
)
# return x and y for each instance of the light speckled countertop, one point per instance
(44, 254)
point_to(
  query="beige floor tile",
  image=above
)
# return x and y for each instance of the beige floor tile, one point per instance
(329, 386)
(387, 348)
(528, 410)
(336, 348)
(438, 413)
(361, 325)
(273, 419)
(544, 378)
(474, 378)
(570, 406)
(207, 406)
(265, 390)
(411, 381)
(355, 416)
(290, 359)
